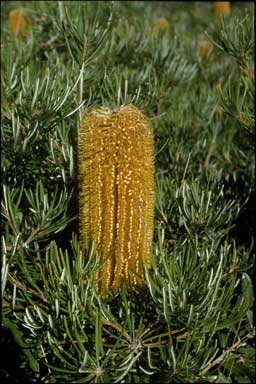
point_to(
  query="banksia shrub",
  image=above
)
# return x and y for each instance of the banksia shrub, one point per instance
(221, 9)
(18, 22)
(117, 193)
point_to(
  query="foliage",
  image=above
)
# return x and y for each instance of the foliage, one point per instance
(193, 322)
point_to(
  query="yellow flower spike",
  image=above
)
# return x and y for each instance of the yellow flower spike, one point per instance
(160, 24)
(205, 50)
(116, 198)
(19, 24)
(221, 9)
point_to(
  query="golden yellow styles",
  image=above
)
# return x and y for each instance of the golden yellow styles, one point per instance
(116, 171)
(221, 9)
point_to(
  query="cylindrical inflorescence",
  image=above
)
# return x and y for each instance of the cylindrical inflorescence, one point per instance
(221, 9)
(116, 169)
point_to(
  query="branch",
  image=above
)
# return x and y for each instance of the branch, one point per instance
(233, 347)
(33, 233)
(11, 225)
(209, 154)
(50, 41)
(32, 291)
(117, 328)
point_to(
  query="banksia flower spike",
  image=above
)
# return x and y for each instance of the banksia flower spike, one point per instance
(221, 9)
(160, 24)
(116, 200)
(18, 22)
(205, 50)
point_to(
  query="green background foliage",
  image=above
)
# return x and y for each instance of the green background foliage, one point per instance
(193, 322)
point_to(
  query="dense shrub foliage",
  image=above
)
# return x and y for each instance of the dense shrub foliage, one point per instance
(193, 75)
